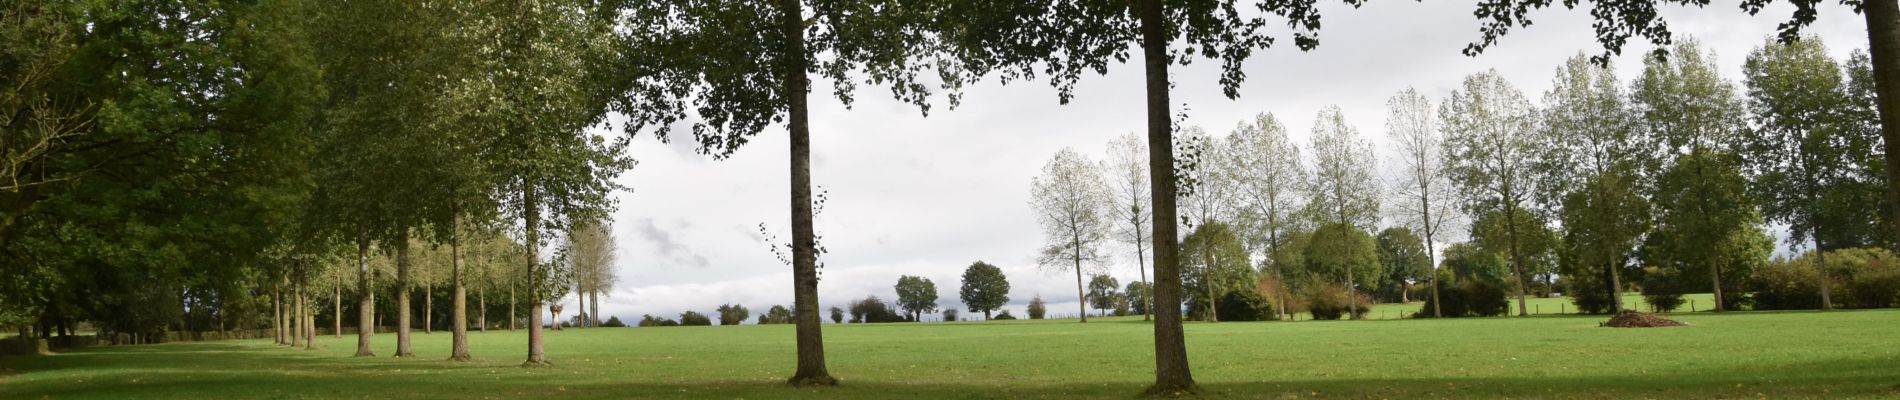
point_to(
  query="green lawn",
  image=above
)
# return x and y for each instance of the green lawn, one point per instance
(1842, 354)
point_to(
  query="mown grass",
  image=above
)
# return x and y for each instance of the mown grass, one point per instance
(1842, 354)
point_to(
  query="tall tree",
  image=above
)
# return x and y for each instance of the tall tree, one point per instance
(1424, 194)
(1126, 168)
(1803, 151)
(1617, 22)
(1488, 147)
(1343, 253)
(1706, 221)
(1271, 182)
(1064, 39)
(1589, 162)
(916, 296)
(1072, 204)
(1344, 188)
(592, 253)
(1603, 222)
(1689, 109)
(1402, 255)
(745, 65)
(984, 288)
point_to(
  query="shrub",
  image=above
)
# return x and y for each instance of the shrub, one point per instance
(1037, 309)
(613, 322)
(1004, 316)
(694, 318)
(1245, 305)
(950, 315)
(1330, 302)
(1470, 298)
(837, 315)
(1662, 289)
(873, 310)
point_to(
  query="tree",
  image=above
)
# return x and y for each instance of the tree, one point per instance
(1403, 257)
(1065, 38)
(1138, 294)
(984, 288)
(1345, 254)
(916, 296)
(1488, 146)
(874, 310)
(730, 314)
(776, 315)
(747, 65)
(1344, 189)
(1603, 220)
(1616, 22)
(592, 252)
(1706, 222)
(1218, 264)
(693, 318)
(1694, 115)
(1071, 205)
(837, 315)
(1127, 170)
(1589, 163)
(1802, 155)
(1037, 308)
(1497, 232)
(1270, 180)
(950, 315)
(1424, 193)
(1102, 293)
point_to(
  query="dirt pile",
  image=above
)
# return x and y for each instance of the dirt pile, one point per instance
(1632, 319)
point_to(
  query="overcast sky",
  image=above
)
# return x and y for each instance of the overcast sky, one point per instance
(928, 196)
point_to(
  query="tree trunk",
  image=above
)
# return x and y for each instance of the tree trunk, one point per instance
(1715, 280)
(403, 286)
(295, 318)
(1405, 292)
(531, 208)
(1207, 282)
(1820, 262)
(1517, 259)
(1171, 362)
(336, 316)
(1352, 298)
(1141, 265)
(811, 345)
(277, 312)
(458, 313)
(428, 308)
(1883, 48)
(365, 320)
(484, 309)
(1079, 295)
(1616, 288)
(594, 297)
(309, 320)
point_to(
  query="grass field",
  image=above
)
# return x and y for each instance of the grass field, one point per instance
(1842, 354)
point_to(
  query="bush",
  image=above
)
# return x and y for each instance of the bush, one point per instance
(1245, 305)
(950, 315)
(1004, 316)
(874, 310)
(731, 314)
(1662, 289)
(1330, 302)
(1874, 282)
(1470, 298)
(613, 322)
(651, 321)
(694, 318)
(1037, 309)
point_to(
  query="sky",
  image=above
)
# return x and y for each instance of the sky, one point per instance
(927, 196)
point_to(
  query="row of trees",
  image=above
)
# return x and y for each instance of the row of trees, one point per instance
(1667, 180)
(358, 126)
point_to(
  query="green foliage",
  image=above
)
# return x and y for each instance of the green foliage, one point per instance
(729, 314)
(874, 310)
(1216, 263)
(949, 315)
(1602, 222)
(1468, 262)
(613, 321)
(1807, 153)
(1138, 295)
(1402, 256)
(776, 315)
(694, 318)
(1102, 292)
(1862, 278)
(1341, 253)
(1004, 316)
(1246, 305)
(1330, 301)
(651, 321)
(1466, 298)
(837, 315)
(984, 289)
(1501, 232)
(1706, 220)
(1037, 309)
(916, 296)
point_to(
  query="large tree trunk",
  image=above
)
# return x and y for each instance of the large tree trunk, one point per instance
(811, 344)
(295, 318)
(1715, 280)
(277, 311)
(428, 308)
(1616, 288)
(483, 308)
(1079, 295)
(365, 306)
(1820, 263)
(594, 297)
(1517, 259)
(512, 306)
(1141, 265)
(458, 313)
(1171, 362)
(1207, 281)
(1883, 47)
(336, 315)
(402, 296)
(309, 320)
(531, 208)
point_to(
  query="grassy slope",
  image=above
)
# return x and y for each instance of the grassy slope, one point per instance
(1845, 354)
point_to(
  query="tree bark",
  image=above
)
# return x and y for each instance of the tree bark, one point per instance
(336, 316)
(458, 313)
(403, 286)
(277, 311)
(295, 318)
(1616, 288)
(1207, 280)
(594, 296)
(309, 320)
(484, 308)
(1141, 265)
(512, 306)
(1883, 48)
(531, 208)
(365, 306)
(1079, 295)
(1715, 279)
(1171, 362)
(1820, 263)
(811, 346)
(1517, 258)
(428, 308)
(580, 302)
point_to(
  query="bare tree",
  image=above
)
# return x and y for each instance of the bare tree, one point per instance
(1423, 193)
(1071, 201)
(1270, 180)
(1127, 171)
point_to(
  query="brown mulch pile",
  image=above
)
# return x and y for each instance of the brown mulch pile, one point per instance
(1632, 319)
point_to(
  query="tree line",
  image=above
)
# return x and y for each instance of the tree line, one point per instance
(197, 153)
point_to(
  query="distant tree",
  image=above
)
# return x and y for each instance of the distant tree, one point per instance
(1127, 170)
(592, 253)
(949, 315)
(1345, 188)
(1138, 296)
(1072, 204)
(729, 314)
(1425, 196)
(1342, 253)
(916, 296)
(613, 321)
(1498, 233)
(1004, 316)
(1216, 263)
(874, 310)
(1602, 221)
(1102, 293)
(1489, 146)
(694, 318)
(1707, 223)
(776, 315)
(1271, 181)
(837, 315)
(984, 288)
(1037, 308)
(1466, 261)
(1403, 256)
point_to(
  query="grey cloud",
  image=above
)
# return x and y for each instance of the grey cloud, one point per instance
(666, 246)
